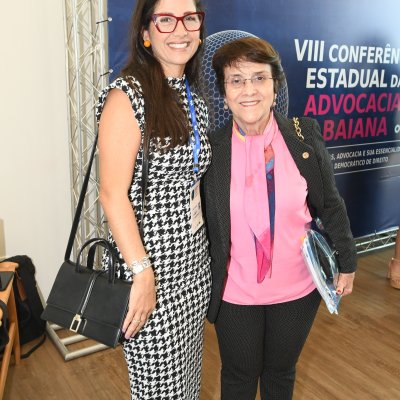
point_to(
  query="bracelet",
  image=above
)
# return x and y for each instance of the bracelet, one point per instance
(138, 266)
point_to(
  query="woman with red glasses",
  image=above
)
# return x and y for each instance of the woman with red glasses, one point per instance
(153, 109)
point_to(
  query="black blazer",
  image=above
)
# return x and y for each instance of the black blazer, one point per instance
(324, 201)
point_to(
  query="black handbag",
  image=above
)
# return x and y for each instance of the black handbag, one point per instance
(91, 302)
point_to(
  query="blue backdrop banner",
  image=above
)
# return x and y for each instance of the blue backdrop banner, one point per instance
(342, 65)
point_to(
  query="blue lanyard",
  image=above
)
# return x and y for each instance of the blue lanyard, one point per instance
(196, 142)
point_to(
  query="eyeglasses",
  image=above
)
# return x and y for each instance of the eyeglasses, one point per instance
(238, 82)
(166, 23)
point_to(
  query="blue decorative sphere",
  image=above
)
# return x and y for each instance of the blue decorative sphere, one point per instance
(218, 116)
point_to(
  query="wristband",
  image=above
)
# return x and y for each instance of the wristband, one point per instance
(138, 266)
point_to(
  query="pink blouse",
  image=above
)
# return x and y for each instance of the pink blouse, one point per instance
(289, 278)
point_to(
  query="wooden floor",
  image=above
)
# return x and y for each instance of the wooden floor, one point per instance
(353, 356)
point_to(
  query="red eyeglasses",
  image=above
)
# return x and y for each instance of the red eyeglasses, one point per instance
(166, 23)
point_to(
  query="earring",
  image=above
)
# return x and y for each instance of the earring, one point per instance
(226, 108)
(146, 43)
(200, 42)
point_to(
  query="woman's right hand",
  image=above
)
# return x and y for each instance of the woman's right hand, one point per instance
(142, 302)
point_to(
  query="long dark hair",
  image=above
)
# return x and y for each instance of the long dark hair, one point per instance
(164, 115)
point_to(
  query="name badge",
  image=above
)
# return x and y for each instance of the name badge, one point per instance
(195, 208)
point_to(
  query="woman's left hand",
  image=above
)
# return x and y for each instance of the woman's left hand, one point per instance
(345, 284)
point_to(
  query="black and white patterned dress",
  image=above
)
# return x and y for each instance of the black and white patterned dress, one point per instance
(164, 359)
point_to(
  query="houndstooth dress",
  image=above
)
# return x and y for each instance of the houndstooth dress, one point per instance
(164, 359)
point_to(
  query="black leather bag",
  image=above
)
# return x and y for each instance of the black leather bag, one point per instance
(91, 302)
(87, 301)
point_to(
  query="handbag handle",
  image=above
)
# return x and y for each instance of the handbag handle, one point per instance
(78, 211)
(94, 243)
(92, 251)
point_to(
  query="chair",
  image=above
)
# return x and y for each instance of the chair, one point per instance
(7, 296)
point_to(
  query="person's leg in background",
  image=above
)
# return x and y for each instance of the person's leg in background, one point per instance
(394, 265)
(287, 327)
(240, 331)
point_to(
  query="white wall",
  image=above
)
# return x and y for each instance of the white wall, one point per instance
(34, 157)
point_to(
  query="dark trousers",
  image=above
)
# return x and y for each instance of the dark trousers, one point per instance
(263, 343)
